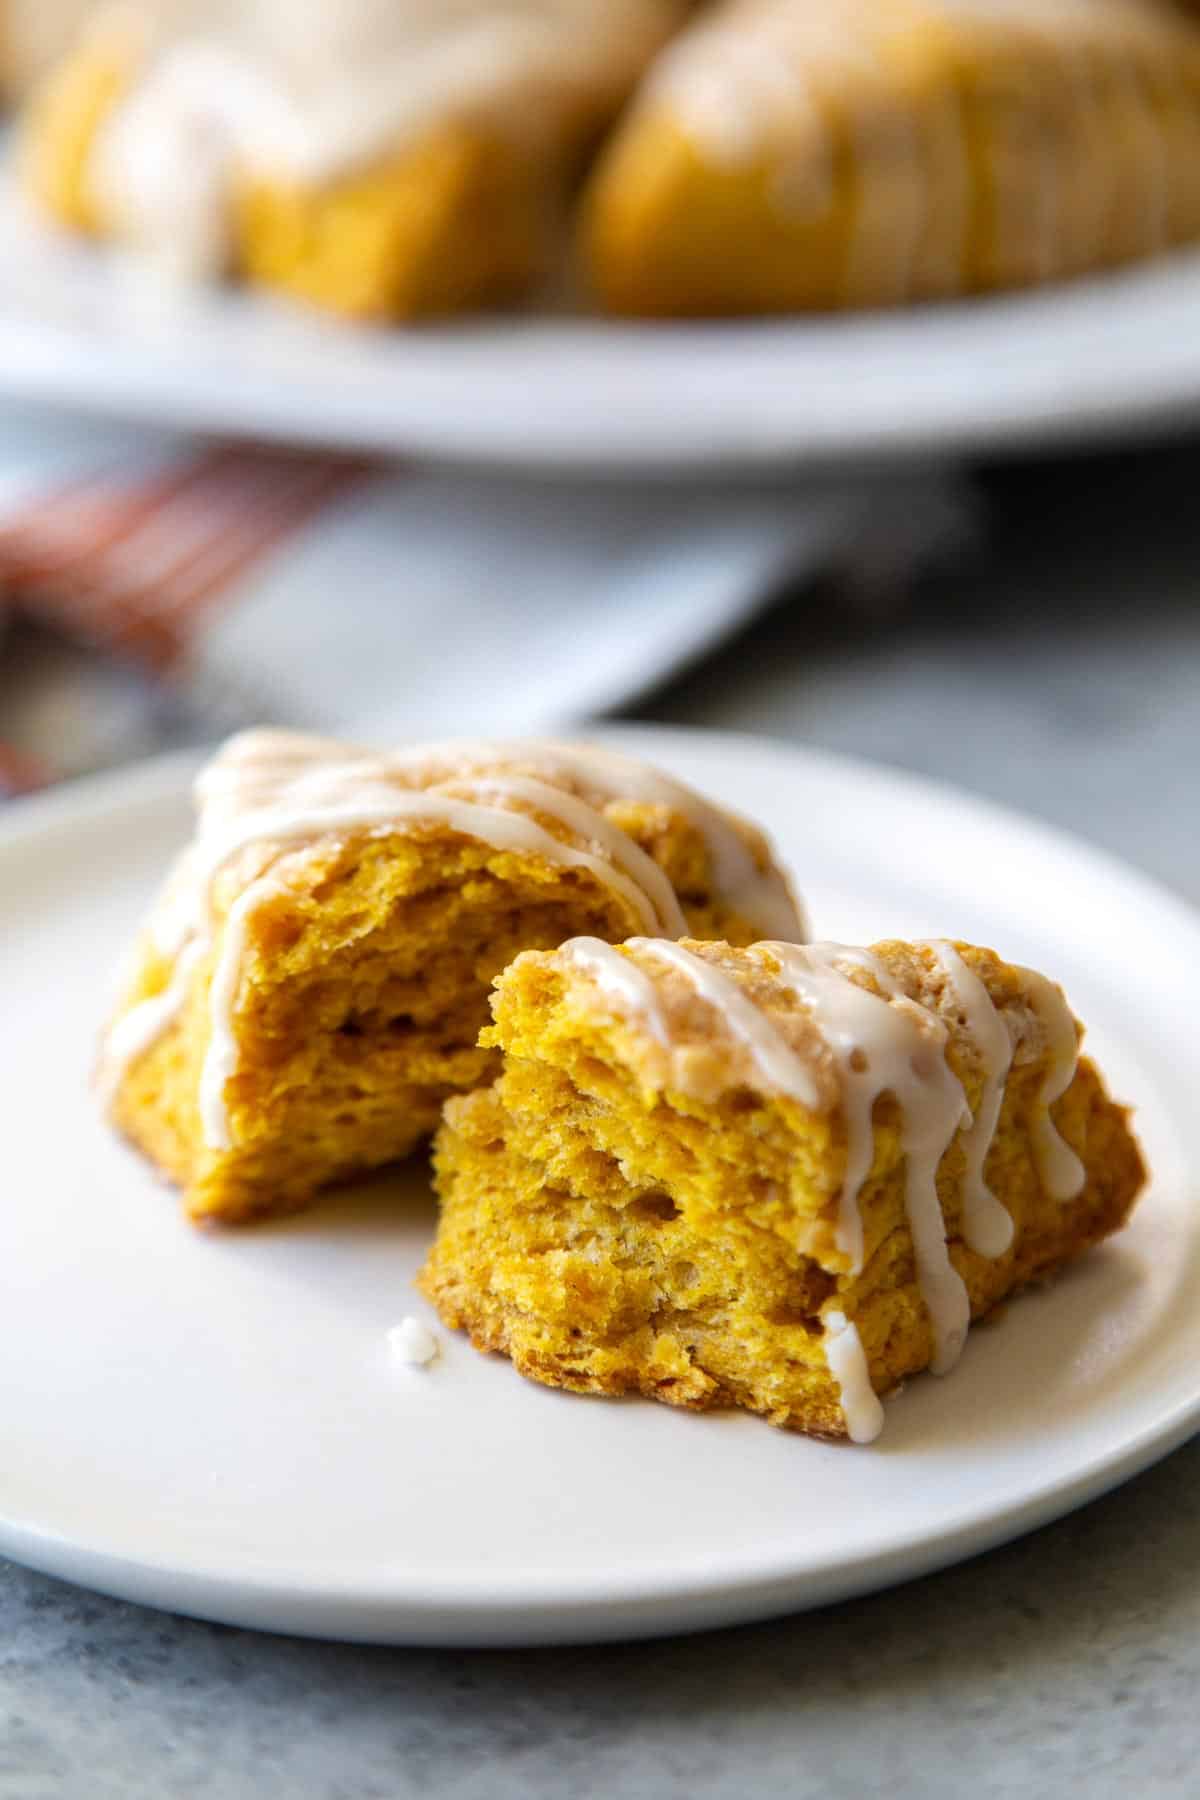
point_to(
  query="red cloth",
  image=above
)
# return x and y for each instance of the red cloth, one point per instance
(132, 565)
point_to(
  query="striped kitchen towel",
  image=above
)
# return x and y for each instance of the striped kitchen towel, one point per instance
(157, 590)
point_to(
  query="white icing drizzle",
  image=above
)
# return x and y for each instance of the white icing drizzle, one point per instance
(280, 791)
(881, 1047)
(503, 828)
(987, 1225)
(780, 1066)
(621, 979)
(847, 1362)
(1060, 1171)
(134, 1032)
(617, 845)
(761, 895)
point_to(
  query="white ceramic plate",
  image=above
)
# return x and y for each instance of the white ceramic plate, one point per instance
(210, 1422)
(1103, 358)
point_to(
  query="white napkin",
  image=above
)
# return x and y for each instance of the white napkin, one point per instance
(413, 601)
(432, 601)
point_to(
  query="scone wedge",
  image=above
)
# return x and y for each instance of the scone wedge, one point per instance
(781, 1177)
(383, 162)
(313, 980)
(785, 155)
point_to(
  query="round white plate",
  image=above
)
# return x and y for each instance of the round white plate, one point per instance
(1103, 358)
(210, 1421)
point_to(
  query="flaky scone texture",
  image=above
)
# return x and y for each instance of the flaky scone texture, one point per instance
(623, 1212)
(330, 975)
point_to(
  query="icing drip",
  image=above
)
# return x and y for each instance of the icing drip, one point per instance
(275, 792)
(886, 1046)
(780, 1066)
(847, 1361)
(621, 979)
(987, 1225)
(1060, 1171)
(879, 1048)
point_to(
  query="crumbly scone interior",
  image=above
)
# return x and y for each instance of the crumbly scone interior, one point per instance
(364, 993)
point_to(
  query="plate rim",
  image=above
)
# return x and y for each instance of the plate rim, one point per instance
(547, 1603)
(1041, 344)
(576, 1617)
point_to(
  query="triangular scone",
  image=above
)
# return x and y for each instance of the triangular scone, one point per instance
(313, 981)
(780, 1177)
(790, 154)
(383, 161)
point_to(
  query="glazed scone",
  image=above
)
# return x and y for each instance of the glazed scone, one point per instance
(777, 1177)
(379, 160)
(815, 154)
(314, 978)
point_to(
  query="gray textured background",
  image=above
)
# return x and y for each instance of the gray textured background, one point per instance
(1059, 671)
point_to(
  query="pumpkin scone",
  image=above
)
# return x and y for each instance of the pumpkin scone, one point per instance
(380, 161)
(823, 154)
(313, 981)
(780, 1177)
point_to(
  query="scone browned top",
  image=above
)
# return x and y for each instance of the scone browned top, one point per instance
(832, 1026)
(270, 795)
